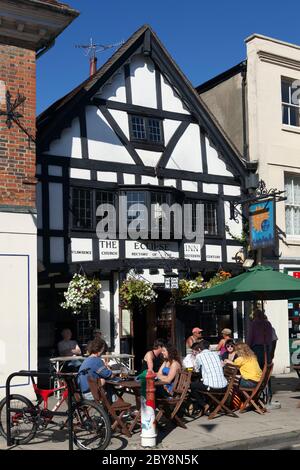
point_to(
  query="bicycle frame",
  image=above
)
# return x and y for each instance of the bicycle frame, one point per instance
(44, 394)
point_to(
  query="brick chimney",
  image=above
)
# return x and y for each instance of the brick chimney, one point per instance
(93, 65)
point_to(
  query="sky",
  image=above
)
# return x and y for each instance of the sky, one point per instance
(205, 38)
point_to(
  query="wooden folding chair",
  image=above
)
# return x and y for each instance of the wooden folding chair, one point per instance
(252, 395)
(170, 407)
(116, 410)
(221, 397)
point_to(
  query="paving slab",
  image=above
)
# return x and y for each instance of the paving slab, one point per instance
(224, 432)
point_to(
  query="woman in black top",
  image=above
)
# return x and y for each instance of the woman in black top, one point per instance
(230, 351)
(153, 359)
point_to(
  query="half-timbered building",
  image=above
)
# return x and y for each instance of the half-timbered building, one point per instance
(136, 127)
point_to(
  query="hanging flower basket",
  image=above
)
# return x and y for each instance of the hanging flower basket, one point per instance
(80, 293)
(136, 293)
(187, 287)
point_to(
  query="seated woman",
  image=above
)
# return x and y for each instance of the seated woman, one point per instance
(93, 366)
(153, 359)
(230, 352)
(168, 370)
(226, 334)
(248, 365)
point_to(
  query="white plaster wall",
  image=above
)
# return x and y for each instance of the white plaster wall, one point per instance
(103, 144)
(148, 157)
(56, 221)
(231, 252)
(277, 313)
(187, 153)
(57, 253)
(210, 188)
(69, 143)
(150, 180)
(105, 311)
(170, 182)
(170, 127)
(108, 176)
(215, 165)
(142, 76)
(129, 179)
(189, 186)
(80, 173)
(114, 89)
(18, 293)
(170, 99)
(213, 253)
(234, 227)
(121, 117)
(230, 190)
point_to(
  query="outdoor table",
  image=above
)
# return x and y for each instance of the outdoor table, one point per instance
(124, 360)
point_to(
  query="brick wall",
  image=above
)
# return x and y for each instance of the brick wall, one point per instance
(17, 158)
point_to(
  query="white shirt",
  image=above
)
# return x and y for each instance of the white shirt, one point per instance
(189, 361)
(65, 347)
(211, 369)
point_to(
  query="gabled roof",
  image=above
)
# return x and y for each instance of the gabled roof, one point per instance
(62, 111)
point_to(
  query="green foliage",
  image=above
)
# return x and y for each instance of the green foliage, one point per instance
(136, 293)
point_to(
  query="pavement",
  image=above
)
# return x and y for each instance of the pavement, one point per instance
(249, 431)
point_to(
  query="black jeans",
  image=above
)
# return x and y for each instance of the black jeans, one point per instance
(196, 388)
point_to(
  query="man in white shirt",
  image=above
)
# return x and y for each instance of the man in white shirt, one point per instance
(209, 364)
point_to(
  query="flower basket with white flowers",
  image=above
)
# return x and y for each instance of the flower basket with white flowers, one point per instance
(81, 291)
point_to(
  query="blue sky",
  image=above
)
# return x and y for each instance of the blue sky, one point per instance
(204, 38)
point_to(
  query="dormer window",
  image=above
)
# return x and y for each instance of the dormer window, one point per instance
(146, 131)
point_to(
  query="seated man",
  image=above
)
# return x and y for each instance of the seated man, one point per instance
(69, 347)
(208, 362)
(189, 362)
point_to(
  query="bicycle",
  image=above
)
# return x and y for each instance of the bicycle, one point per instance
(91, 423)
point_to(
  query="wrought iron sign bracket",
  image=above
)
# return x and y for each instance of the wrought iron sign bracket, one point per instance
(13, 115)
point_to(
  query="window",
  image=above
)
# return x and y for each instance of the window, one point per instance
(82, 209)
(210, 216)
(147, 130)
(138, 200)
(290, 93)
(84, 206)
(292, 205)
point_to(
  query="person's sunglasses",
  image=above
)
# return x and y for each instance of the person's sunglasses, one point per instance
(230, 346)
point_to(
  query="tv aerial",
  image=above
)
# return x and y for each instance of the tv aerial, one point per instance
(90, 50)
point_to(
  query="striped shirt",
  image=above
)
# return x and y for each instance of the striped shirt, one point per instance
(208, 362)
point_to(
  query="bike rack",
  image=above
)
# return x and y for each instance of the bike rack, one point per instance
(28, 373)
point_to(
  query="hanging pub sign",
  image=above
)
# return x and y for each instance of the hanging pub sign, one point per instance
(262, 224)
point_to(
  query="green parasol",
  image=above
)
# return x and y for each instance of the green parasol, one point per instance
(258, 283)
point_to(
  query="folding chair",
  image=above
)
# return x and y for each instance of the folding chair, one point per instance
(116, 410)
(170, 407)
(221, 397)
(252, 394)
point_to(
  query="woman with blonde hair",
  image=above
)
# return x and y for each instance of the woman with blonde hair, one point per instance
(248, 365)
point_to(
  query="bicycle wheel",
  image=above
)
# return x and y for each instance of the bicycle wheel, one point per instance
(22, 419)
(91, 426)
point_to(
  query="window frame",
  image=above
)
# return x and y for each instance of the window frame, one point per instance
(288, 105)
(291, 177)
(147, 143)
